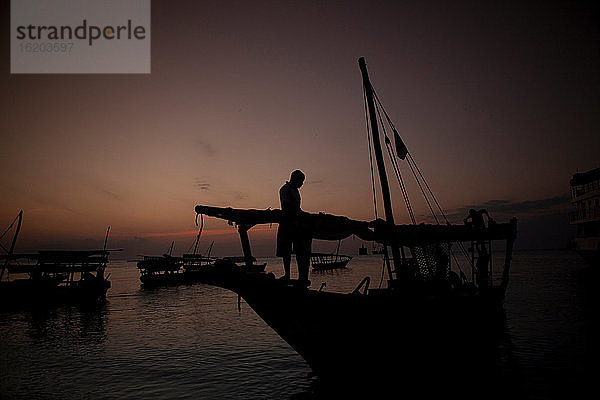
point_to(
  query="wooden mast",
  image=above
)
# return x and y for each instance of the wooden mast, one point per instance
(385, 189)
(12, 245)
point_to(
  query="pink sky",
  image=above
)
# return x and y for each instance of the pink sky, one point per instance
(495, 103)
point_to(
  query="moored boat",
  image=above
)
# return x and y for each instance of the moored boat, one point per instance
(53, 276)
(328, 261)
(160, 270)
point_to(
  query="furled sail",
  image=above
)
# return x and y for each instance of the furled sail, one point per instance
(319, 226)
(332, 227)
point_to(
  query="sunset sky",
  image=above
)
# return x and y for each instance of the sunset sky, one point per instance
(497, 101)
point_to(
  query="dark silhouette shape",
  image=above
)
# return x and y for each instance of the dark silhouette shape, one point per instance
(585, 215)
(476, 218)
(430, 329)
(292, 233)
(482, 266)
(54, 276)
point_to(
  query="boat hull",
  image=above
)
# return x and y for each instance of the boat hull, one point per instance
(344, 335)
(331, 265)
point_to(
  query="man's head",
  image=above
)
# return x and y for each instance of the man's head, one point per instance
(297, 178)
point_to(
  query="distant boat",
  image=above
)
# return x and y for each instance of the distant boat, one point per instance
(189, 268)
(53, 276)
(585, 214)
(431, 318)
(161, 270)
(329, 261)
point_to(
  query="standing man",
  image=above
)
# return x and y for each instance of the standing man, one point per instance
(292, 233)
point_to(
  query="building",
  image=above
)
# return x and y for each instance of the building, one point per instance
(585, 214)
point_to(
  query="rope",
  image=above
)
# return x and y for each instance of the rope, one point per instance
(392, 156)
(382, 272)
(428, 188)
(10, 226)
(423, 192)
(412, 163)
(197, 240)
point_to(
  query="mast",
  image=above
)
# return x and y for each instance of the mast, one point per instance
(385, 189)
(14, 241)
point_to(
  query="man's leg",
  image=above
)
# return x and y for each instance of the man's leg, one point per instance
(287, 259)
(303, 266)
(303, 259)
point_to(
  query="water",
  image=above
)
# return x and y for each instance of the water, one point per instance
(192, 341)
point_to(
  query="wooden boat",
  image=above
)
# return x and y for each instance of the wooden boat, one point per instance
(53, 276)
(327, 261)
(194, 266)
(161, 270)
(432, 322)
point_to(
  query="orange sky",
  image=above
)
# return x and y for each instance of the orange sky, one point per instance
(496, 102)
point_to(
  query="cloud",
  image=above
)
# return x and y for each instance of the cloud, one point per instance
(202, 184)
(548, 205)
(206, 148)
(520, 209)
(543, 223)
(108, 193)
(52, 204)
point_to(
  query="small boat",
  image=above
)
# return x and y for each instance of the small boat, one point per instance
(194, 265)
(327, 261)
(53, 276)
(241, 261)
(161, 270)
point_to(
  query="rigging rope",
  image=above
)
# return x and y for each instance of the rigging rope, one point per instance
(414, 167)
(411, 159)
(197, 240)
(396, 167)
(423, 192)
(10, 226)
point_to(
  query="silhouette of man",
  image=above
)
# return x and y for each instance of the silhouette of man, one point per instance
(476, 217)
(291, 233)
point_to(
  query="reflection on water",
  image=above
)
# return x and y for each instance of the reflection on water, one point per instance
(191, 341)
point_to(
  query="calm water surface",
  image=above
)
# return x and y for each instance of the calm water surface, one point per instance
(194, 342)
